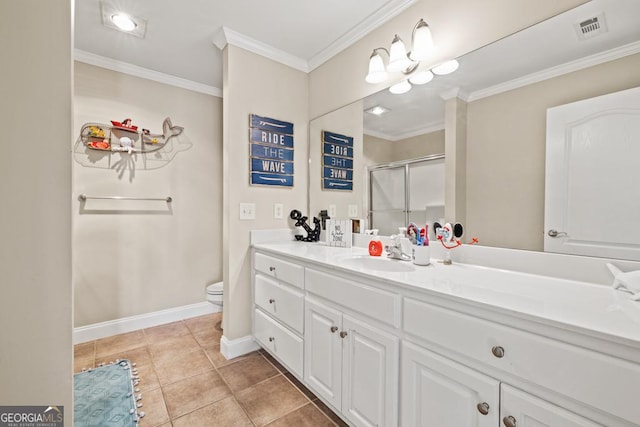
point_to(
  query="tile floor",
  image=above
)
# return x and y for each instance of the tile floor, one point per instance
(185, 381)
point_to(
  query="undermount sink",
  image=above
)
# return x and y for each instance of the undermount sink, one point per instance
(378, 264)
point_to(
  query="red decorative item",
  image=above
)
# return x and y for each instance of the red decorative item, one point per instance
(125, 124)
(375, 248)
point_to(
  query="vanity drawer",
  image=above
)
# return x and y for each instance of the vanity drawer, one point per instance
(282, 302)
(279, 269)
(582, 374)
(280, 342)
(375, 303)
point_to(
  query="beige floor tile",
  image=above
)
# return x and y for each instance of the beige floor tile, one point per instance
(304, 390)
(208, 337)
(140, 356)
(329, 413)
(213, 351)
(307, 416)
(273, 361)
(225, 413)
(203, 323)
(172, 347)
(247, 372)
(270, 400)
(155, 411)
(194, 392)
(82, 364)
(161, 333)
(119, 343)
(148, 378)
(181, 366)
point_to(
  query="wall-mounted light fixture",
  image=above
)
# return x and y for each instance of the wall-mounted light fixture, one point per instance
(407, 62)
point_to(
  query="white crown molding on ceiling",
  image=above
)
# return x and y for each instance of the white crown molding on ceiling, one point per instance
(226, 36)
(145, 73)
(569, 67)
(433, 127)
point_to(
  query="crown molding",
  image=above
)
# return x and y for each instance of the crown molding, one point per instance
(433, 127)
(145, 73)
(226, 36)
(373, 21)
(569, 67)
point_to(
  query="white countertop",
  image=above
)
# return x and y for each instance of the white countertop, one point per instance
(595, 310)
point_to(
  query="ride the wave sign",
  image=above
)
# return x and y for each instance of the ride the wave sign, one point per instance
(271, 152)
(337, 161)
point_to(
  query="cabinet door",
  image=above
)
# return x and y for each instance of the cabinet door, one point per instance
(520, 409)
(440, 392)
(369, 375)
(323, 351)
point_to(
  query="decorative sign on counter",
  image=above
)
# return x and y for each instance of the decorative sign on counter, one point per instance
(339, 233)
(337, 161)
(271, 153)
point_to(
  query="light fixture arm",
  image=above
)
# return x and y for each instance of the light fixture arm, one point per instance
(410, 69)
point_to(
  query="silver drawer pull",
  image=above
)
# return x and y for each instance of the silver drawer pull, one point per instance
(271, 339)
(483, 408)
(271, 300)
(334, 329)
(498, 351)
(509, 421)
(343, 334)
(272, 268)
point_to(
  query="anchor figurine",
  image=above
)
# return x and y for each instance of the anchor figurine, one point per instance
(313, 235)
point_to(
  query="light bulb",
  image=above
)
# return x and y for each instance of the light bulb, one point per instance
(400, 88)
(446, 68)
(124, 22)
(421, 77)
(398, 59)
(377, 73)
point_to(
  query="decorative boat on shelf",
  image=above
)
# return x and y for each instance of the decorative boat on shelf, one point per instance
(102, 137)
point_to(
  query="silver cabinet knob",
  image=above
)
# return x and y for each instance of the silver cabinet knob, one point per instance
(343, 334)
(334, 329)
(272, 268)
(498, 351)
(271, 339)
(509, 421)
(483, 408)
(271, 300)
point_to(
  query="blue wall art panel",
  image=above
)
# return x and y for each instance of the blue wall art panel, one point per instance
(337, 161)
(272, 152)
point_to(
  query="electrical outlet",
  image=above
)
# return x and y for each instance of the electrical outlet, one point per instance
(247, 211)
(278, 209)
(332, 211)
(353, 211)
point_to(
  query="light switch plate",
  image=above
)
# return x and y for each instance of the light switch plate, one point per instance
(353, 211)
(247, 211)
(278, 209)
(332, 211)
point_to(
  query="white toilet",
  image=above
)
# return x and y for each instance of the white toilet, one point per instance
(214, 294)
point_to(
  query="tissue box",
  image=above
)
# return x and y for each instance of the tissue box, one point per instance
(339, 233)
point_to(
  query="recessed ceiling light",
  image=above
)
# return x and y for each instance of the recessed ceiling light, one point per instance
(121, 21)
(378, 110)
(124, 22)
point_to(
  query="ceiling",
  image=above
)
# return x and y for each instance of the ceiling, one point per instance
(179, 36)
(544, 50)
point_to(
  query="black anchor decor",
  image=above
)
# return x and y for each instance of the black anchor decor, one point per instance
(313, 235)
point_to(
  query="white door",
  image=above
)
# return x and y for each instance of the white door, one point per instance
(370, 375)
(519, 409)
(592, 188)
(323, 351)
(440, 392)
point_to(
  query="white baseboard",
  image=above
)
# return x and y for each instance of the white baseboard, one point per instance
(133, 323)
(234, 348)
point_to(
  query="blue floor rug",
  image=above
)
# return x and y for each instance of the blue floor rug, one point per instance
(104, 396)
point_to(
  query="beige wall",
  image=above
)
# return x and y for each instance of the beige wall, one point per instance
(253, 84)
(380, 151)
(128, 263)
(458, 27)
(506, 151)
(347, 121)
(35, 231)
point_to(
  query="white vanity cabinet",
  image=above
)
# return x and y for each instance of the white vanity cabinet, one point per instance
(349, 362)
(278, 318)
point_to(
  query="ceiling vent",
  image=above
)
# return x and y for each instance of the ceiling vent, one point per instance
(591, 27)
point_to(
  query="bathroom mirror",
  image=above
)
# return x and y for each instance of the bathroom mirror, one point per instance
(508, 86)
